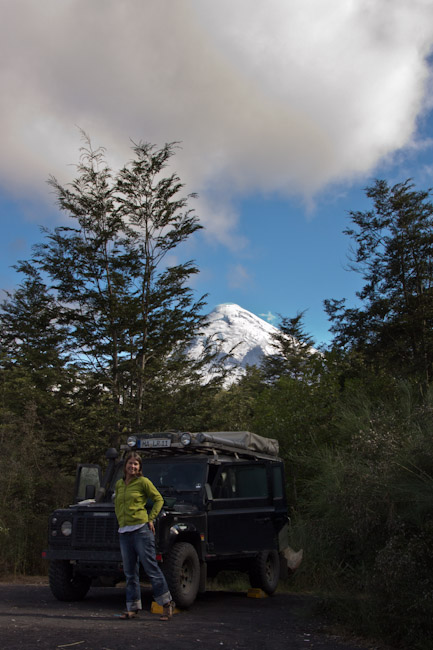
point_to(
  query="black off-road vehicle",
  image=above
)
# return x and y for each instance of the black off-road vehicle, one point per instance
(224, 509)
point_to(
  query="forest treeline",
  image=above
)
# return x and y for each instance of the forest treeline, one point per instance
(94, 346)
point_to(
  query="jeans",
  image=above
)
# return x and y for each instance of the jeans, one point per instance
(139, 546)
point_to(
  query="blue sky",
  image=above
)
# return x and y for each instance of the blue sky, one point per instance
(286, 110)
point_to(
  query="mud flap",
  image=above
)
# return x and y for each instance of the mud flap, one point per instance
(293, 558)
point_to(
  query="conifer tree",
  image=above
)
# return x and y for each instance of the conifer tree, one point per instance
(293, 355)
(393, 327)
(129, 314)
(31, 335)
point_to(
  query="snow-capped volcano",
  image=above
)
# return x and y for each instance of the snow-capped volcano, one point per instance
(247, 337)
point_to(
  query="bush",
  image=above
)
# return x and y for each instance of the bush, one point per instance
(402, 587)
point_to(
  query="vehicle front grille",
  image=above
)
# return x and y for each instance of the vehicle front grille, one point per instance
(97, 531)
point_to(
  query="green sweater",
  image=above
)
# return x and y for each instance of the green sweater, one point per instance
(130, 501)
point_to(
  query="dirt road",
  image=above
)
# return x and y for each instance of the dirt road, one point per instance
(31, 619)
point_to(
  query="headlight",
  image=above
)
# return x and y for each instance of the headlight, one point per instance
(131, 441)
(185, 439)
(66, 528)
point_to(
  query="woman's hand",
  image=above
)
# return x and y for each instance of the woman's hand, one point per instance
(152, 526)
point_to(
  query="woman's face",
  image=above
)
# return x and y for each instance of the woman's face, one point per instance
(132, 467)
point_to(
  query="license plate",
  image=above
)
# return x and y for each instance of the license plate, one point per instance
(147, 443)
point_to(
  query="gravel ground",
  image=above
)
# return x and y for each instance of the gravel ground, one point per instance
(31, 618)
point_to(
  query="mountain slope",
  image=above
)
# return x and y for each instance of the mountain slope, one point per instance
(240, 332)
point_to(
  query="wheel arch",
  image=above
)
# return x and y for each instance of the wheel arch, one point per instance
(189, 534)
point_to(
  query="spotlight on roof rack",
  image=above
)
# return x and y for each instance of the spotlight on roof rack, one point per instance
(185, 439)
(131, 441)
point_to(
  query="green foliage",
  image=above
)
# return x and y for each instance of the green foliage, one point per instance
(129, 315)
(365, 513)
(377, 492)
(233, 409)
(31, 336)
(294, 353)
(29, 489)
(393, 328)
(402, 586)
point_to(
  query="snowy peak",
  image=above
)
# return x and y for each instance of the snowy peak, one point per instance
(238, 327)
(247, 337)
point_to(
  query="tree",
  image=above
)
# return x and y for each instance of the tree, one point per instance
(31, 335)
(129, 314)
(394, 253)
(33, 362)
(294, 353)
(37, 376)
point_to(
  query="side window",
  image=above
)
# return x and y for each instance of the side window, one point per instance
(241, 481)
(225, 486)
(251, 481)
(88, 478)
(277, 482)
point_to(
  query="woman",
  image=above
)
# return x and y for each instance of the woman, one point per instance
(137, 537)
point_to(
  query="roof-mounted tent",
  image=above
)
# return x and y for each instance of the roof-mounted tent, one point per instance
(231, 442)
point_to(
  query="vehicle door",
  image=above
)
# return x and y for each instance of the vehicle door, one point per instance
(240, 520)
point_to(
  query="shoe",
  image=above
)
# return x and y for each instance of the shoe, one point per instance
(167, 611)
(128, 616)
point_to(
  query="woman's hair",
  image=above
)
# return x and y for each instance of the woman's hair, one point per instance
(135, 456)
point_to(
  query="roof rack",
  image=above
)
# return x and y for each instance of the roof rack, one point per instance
(234, 443)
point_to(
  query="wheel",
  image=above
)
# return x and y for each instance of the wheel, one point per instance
(64, 584)
(265, 571)
(182, 570)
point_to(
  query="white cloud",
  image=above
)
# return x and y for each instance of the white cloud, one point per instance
(277, 96)
(269, 317)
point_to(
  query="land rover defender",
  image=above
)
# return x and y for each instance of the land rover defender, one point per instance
(224, 509)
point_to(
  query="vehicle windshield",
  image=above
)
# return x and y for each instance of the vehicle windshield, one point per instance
(170, 477)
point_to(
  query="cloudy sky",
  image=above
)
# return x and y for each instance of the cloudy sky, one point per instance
(286, 110)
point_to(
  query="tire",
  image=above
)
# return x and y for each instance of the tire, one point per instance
(182, 570)
(64, 584)
(265, 571)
